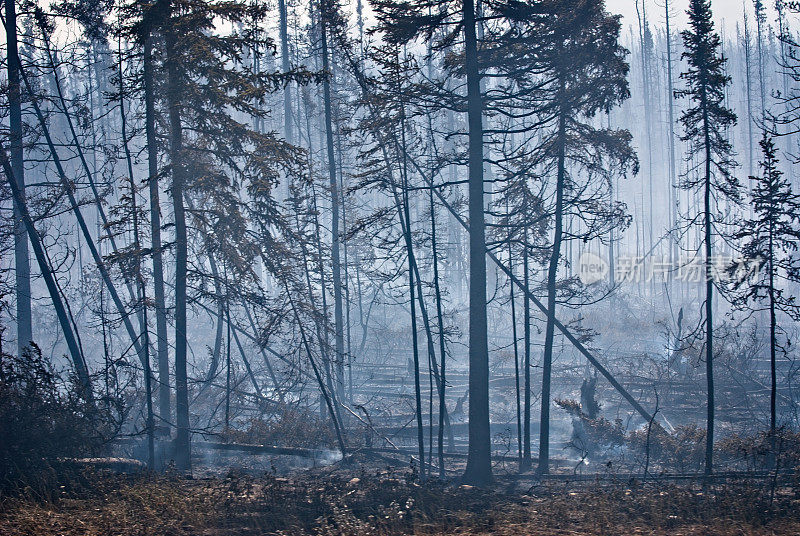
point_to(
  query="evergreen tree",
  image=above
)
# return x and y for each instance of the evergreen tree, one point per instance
(569, 66)
(705, 125)
(770, 242)
(207, 88)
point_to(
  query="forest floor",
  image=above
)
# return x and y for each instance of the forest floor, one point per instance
(386, 501)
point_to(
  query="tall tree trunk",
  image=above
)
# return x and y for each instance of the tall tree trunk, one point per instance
(673, 165)
(516, 351)
(773, 343)
(21, 256)
(162, 347)
(285, 65)
(346, 284)
(227, 366)
(526, 330)
(552, 274)
(760, 21)
(141, 292)
(338, 320)
(642, 18)
(322, 334)
(183, 459)
(709, 295)
(411, 291)
(749, 91)
(479, 466)
(442, 350)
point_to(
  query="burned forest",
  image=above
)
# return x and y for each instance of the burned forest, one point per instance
(400, 267)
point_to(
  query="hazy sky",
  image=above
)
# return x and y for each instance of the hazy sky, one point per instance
(728, 10)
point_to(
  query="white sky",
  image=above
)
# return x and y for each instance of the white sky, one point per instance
(728, 12)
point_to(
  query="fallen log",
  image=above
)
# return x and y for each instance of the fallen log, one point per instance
(113, 464)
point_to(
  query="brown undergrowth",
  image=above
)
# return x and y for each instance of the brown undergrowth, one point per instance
(389, 502)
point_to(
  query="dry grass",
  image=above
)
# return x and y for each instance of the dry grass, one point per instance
(385, 502)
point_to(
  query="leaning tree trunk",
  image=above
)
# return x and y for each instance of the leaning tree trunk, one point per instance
(73, 202)
(49, 278)
(516, 352)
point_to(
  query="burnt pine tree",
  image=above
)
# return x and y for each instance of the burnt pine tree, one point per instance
(207, 87)
(569, 66)
(705, 123)
(770, 242)
(146, 19)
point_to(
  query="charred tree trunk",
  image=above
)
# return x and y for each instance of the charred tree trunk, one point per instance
(338, 316)
(141, 292)
(516, 355)
(442, 349)
(479, 467)
(552, 274)
(162, 351)
(22, 267)
(526, 329)
(286, 66)
(49, 278)
(707, 224)
(174, 98)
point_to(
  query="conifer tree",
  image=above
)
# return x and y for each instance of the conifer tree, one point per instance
(705, 125)
(212, 153)
(569, 66)
(770, 243)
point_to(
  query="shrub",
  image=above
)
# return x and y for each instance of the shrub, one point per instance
(44, 424)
